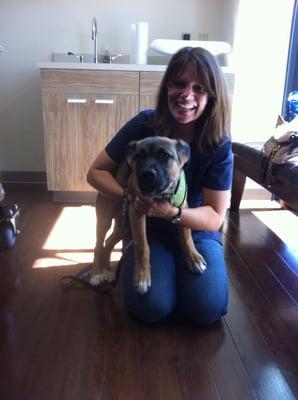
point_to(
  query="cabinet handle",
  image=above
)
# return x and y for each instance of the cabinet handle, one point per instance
(104, 101)
(80, 101)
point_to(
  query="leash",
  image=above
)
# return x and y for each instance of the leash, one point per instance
(82, 278)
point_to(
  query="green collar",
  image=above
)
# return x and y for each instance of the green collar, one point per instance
(177, 198)
(180, 193)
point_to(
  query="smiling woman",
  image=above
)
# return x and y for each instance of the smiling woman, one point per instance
(194, 76)
(192, 105)
(187, 97)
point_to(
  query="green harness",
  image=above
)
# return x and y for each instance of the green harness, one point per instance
(177, 198)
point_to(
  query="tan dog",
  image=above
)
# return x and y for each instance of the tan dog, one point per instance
(155, 171)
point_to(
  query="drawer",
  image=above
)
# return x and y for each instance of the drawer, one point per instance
(87, 81)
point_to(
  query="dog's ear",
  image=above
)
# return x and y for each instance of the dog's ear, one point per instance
(183, 151)
(131, 151)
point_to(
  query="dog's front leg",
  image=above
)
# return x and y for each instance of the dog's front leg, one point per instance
(100, 268)
(142, 272)
(195, 260)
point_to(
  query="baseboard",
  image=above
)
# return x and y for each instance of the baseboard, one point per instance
(74, 197)
(251, 192)
(23, 177)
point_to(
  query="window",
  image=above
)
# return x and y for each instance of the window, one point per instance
(292, 66)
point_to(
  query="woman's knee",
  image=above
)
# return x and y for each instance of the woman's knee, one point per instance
(158, 302)
(206, 315)
(150, 309)
(204, 304)
(203, 297)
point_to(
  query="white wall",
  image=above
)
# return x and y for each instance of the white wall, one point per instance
(260, 59)
(34, 29)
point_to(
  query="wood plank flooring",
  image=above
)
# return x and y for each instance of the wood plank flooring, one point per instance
(80, 345)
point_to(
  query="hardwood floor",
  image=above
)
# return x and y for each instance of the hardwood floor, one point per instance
(80, 345)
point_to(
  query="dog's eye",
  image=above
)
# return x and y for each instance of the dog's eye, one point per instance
(140, 155)
(164, 156)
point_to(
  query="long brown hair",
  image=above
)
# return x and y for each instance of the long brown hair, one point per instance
(214, 123)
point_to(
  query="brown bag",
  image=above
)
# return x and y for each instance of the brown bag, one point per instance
(282, 147)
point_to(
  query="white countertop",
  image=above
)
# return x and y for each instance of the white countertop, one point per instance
(101, 66)
(110, 67)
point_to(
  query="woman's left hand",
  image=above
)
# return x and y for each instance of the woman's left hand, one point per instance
(162, 209)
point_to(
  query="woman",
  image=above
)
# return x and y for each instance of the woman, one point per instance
(192, 105)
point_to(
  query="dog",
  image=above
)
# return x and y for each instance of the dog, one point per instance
(153, 167)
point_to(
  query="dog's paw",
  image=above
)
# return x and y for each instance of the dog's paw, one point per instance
(143, 286)
(103, 277)
(198, 264)
(142, 280)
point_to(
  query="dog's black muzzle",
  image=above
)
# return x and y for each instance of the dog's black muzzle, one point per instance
(150, 182)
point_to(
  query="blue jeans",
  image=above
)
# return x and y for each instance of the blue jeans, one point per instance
(201, 298)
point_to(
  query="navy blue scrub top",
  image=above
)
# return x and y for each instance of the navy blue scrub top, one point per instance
(211, 170)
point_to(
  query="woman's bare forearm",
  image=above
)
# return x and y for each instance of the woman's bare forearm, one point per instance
(105, 183)
(203, 218)
(101, 177)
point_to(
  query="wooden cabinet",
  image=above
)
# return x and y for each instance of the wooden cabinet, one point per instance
(82, 111)
(149, 85)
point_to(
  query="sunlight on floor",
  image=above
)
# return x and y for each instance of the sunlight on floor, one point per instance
(72, 239)
(63, 259)
(271, 373)
(283, 223)
(259, 204)
(257, 197)
(74, 229)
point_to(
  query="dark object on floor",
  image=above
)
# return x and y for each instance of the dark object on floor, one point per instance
(250, 160)
(8, 230)
(82, 278)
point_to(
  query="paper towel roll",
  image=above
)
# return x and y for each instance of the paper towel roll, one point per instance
(139, 43)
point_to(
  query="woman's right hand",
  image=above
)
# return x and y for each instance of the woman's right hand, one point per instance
(142, 204)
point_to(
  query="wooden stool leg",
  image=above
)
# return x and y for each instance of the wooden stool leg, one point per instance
(237, 190)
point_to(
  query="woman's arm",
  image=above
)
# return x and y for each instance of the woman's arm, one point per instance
(101, 176)
(210, 216)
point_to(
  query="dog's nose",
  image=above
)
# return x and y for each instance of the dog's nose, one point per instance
(147, 179)
(148, 176)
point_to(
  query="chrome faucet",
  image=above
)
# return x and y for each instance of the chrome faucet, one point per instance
(78, 56)
(94, 37)
(108, 58)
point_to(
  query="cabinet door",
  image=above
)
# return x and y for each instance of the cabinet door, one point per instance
(106, 114)
(77, 127)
